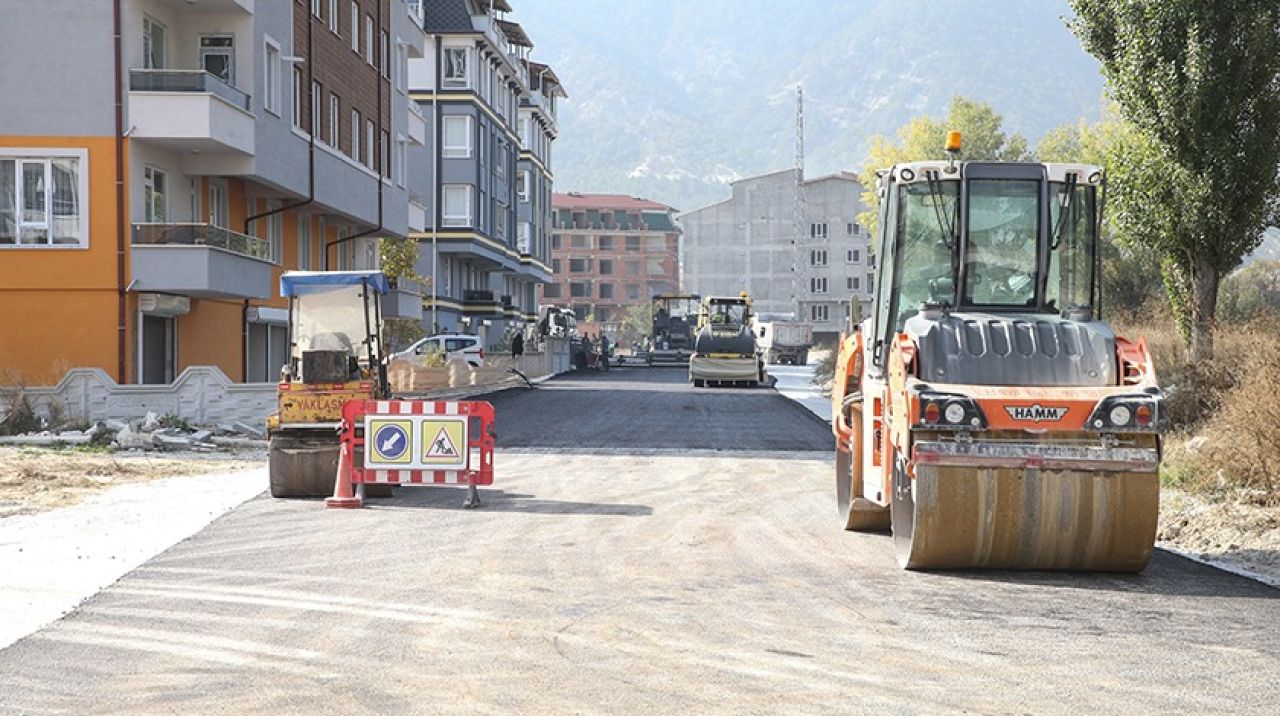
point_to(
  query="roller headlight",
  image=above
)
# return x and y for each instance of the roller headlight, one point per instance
(1141, 413)
(948, 411)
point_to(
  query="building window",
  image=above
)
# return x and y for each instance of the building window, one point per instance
(384, 154)
(370, 48)
(457, 136)
(153, 44)
(153, 195)
(522, 185)
(370, 134)
(43, 199)
(499, 220)
(579, 289)
(633, 243)
(523, 131)
(317, 95)
(852, 256)
(335, 118)
(851, 283)
(579, 265)
(579, 242)
(315, 7)
(355, 134)
(871, 260)
(819, 314)
(606, 267)
(555, 265)
(632, 268)
(304, 242)
(297, 96)
(551, 290)
(606, 290)
(500, 160)
(455, 67)
(854, 229)
(457, 204)
(818, 284)
(555, 241)
(818, 231)
(524, 237)
(818, 257)
(275, 232)
(355, 27)
(271, 78)
(606, 243)
(333, 17)
(384, 57)
(633, 292)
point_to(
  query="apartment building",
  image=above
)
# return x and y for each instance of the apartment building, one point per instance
(609, 252)
(152, 190)
(749, 242)
(484, 185)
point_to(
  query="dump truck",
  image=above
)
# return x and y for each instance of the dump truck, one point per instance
(671, 337)
(985, 413)
(724, 348)
(784, 341)
(335, 355)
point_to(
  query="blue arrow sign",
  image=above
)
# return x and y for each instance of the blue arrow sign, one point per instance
(390, 442)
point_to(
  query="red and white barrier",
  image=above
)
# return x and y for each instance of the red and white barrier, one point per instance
(414, 442)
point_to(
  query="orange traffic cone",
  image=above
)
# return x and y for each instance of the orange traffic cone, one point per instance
(343, 496)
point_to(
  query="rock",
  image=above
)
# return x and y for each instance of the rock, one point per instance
(114, 426)
(166, 440)
(250, 430)
(71, 434)
(201, 436)
(127, 439)
(150, 423)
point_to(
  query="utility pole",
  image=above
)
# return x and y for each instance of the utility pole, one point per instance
(799, 210)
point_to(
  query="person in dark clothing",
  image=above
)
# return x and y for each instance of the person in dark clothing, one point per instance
(517, 345)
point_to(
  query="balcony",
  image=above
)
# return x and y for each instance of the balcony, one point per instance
(403, 301)
(190, 110)
(201, 260)
(481, 303)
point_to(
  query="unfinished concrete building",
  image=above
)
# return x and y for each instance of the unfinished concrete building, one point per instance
(803, 254)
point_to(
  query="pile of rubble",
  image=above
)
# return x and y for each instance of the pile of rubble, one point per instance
(150, 433)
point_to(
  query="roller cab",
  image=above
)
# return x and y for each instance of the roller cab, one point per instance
(724, 349)
(985, 413)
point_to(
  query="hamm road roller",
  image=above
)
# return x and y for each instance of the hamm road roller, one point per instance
(985, 413)
(724, 346)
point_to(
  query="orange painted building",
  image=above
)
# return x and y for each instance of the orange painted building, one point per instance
(139, 256)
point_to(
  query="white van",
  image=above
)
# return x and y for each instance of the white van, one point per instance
(455, 345)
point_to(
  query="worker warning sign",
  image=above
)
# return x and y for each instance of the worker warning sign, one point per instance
(444, 441)
(416, 442)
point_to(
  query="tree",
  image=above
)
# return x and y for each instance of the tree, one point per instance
(400, 261)
(1196, 181)
(637, 321)
(925, 137)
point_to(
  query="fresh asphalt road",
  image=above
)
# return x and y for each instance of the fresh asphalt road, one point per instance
(594, 580)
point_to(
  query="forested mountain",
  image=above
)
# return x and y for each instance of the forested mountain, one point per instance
(669, 99)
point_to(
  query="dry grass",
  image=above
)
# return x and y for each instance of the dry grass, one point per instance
(34, 479)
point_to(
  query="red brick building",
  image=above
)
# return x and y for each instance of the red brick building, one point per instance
(609, 252)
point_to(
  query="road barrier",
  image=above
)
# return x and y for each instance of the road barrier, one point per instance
(413, 442)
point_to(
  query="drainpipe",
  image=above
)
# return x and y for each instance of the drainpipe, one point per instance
(122, 345)
(435, 191)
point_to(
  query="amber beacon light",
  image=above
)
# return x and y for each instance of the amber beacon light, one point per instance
(953, 141)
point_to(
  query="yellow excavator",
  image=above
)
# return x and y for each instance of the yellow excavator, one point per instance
(335, 355)
(985, 412)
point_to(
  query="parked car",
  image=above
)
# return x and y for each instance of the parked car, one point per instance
(454, 345)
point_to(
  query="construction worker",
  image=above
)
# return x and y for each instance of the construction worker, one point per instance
(517, 345)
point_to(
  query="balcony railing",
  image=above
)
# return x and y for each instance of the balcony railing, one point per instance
(202, 235)
(418, 11)
(187, 81)
(477, 296)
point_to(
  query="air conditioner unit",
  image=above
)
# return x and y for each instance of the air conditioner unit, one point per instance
(163, 304)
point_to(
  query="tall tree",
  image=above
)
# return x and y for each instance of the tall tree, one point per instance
(1197, 181)
(924, 138)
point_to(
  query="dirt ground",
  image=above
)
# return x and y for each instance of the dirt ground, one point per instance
(1225, 532)
(36, 479)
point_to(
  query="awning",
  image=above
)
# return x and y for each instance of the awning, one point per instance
(297, 283)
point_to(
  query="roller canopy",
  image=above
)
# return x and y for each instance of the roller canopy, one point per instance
(297, 283)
